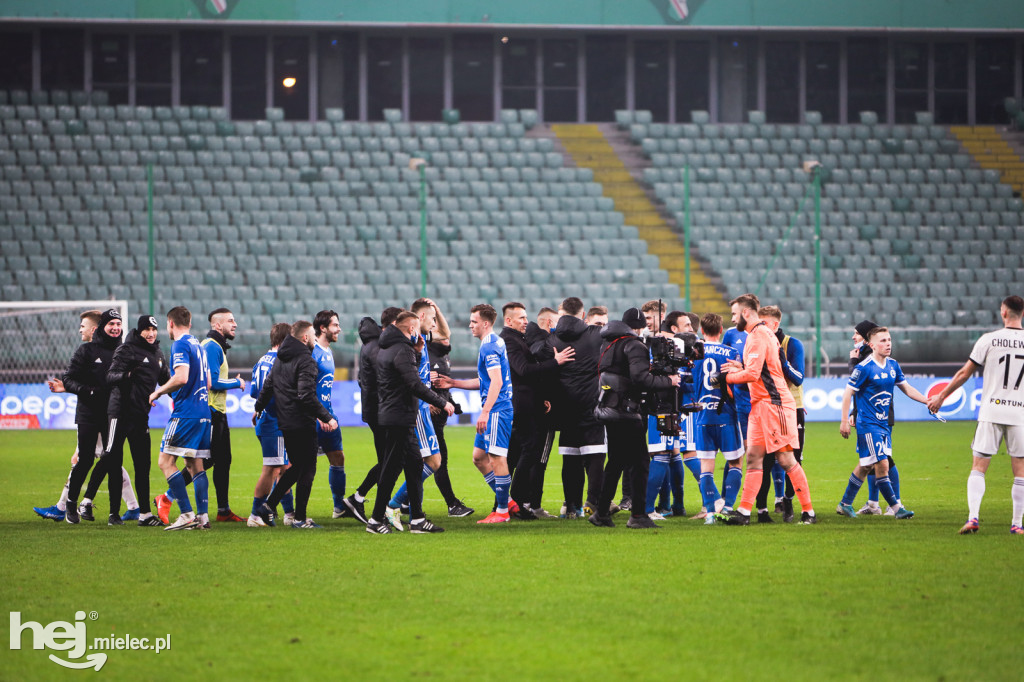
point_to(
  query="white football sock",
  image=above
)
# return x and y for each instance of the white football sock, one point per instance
(1017, 495)
(975, 491)
(62, 503)
(127, 493)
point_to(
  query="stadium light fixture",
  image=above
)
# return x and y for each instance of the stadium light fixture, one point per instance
(289, 82)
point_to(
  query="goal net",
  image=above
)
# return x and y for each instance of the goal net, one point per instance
(37, 338)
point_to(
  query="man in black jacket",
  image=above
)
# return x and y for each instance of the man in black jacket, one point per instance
(369, 334)
(625, 371)
(90, 321)
(292, 385)
(527, 441)
(137, 368)
(581, 440)
(399, 388)
(538, 339)
(86, 377)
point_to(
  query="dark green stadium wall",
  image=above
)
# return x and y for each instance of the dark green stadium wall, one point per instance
(900, 14)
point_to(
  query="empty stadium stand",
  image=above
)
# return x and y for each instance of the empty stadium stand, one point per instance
(277, 219)
(915, 231)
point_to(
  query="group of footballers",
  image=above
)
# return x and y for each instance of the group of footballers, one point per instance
(742, 398)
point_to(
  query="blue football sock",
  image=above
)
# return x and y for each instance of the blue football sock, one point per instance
(872, 489)
(885, 487)
(202, 488)
(708, 491)
(501, 486)
(336, 479)
(489, 479)
(676, 475)
(852, 488)
(288, 502)
(427, 473)
(894, 478)
(733, 485)
(779, 479)
(656, 476)
(257, 502)
(170, 494)
(400, 497)
(693, 464)
(176, 483)
(665, 491)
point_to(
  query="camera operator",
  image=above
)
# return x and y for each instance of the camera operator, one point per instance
(581, 441)
(625, 373)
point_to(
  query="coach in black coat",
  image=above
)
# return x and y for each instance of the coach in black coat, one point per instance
(399, 390)
(86, 377)
(292, 385)
(528, 377)
(137, 368)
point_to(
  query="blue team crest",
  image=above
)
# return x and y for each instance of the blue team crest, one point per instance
(892, 373)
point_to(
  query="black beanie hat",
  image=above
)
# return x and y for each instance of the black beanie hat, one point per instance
(864, 327)
(108, 315)
(634, 319)
(146, 322)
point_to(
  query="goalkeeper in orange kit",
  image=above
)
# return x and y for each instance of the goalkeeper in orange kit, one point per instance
(772, 427)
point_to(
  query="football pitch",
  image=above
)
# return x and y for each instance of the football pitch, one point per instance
(847, 599)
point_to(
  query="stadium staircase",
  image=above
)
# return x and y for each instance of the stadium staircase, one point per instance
(992, 151)
(589, 147)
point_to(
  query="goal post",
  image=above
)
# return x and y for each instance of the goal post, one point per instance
(37, 338)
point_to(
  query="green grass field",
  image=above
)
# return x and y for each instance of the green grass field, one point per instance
(847, 599)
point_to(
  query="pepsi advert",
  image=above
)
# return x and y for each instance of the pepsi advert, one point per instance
(32, 406)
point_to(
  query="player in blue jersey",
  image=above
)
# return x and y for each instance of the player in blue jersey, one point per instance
(327, 328)
(189, 429)
(873, 381)
(426, 436)
(494, 426)
(275, 457)
(717, 427)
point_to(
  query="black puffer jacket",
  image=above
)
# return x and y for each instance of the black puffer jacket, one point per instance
(527, 371)
(369, 334)
(292, 384)
(398, 380)
(137, 369)
(86, 377)
(578, 379)
(628, 357)
(440, 362)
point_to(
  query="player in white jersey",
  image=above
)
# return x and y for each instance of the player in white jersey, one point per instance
(1000, 354)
